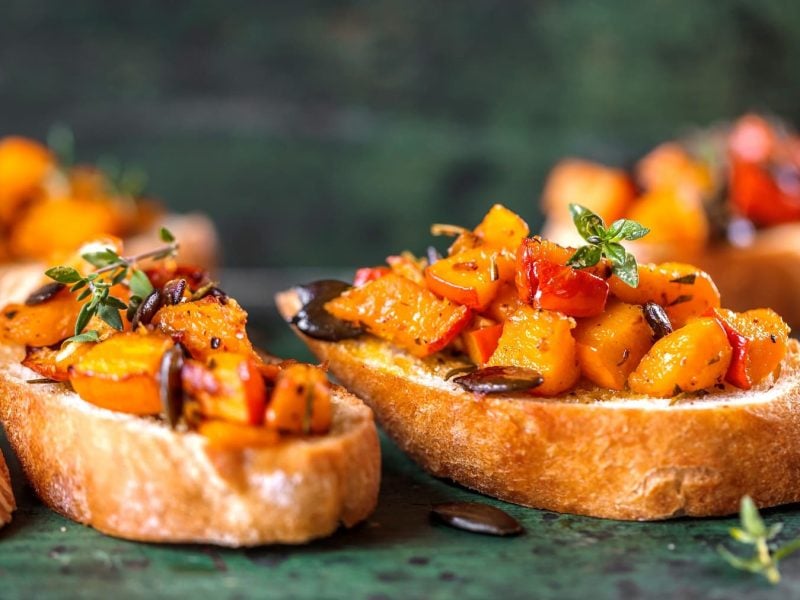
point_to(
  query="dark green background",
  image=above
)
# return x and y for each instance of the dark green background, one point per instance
(334, 132)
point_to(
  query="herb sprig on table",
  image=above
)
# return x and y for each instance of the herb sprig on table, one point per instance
(605, 241)
(112, 270)
(754, 532)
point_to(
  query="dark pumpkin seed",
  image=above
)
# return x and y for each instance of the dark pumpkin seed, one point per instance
(316, 322)
(44, 293)
(173, 291)
(499, 380)
(147, 309)
(657, 319)
(169, 383)
(476, 518)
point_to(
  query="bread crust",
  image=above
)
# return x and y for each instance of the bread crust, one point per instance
(7, 503)
(763, 273)
(590, 453)
(135, 478)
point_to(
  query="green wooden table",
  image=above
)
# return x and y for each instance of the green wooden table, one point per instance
(397, 553)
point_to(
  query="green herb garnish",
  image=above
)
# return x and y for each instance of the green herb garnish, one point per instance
(605, 241)
(112, 270)
(754, 532)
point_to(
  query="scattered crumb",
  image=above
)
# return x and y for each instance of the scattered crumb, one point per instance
(62, 529)
(670, 546)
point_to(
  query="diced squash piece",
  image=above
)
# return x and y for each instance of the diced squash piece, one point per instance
(481, 342)
(675, 216)
(540, 340)
(691, 358)
(42, 324)
(224, 435)
(683, 290)
(610, 345)
(398, 310)
(206, 327)
(408, 266)
(54, 363)
(367, 274)
(605, 191)
(465, 278)
(301, 401)
(24, 164)
(41, 231)
(670, 166)
(505, 303)
(230, 387)
(762, 348)
(502, 228)
(121, 373)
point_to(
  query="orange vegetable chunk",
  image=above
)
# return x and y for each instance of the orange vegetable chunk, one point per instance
(23, 167)
(398, 310)
(610, 345)
(691, 358)
(766, 336)
(605, 191)
(465, 278)
(301, 400)
(505, 303)
(481, 342)
(540, 340)
(683, 290)
(43, 324)
(230, 387)
(502, 228)
(675, 216)
(224, 435)
(206, 327)
(121, 373)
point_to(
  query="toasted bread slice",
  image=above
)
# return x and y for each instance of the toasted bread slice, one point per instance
(136, 478)
(593, 452)
(763, 273)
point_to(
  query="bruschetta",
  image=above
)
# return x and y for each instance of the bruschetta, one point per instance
(137, 405)
(529, 372)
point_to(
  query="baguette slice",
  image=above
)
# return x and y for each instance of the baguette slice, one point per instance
(763, 273)
(136, 478)
(592, 452)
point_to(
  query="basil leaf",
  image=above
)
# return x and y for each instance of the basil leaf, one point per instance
(587, 223)
(166, 235)
(63, 274)
(615, 252)
(87, 310)
(100, 259)
(629, 230)
(627, 271)
(86, 336)
(585, 256)
(139, 283)
(110, 315)
(115, 303)
(751, 520)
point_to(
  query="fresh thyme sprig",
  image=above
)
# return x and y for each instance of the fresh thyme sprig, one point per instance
(755, 533)
(112, 270)
(605, 241)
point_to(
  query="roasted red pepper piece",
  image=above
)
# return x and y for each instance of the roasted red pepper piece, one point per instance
(574, 292)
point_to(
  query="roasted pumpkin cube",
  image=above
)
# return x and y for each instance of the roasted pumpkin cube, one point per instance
(759, 340)
(691, 358)
(42, 324)
(398, 310)
(502, 229)
(301, 400)
(470, 278)
(481, 342)
(675, 216)
(229, 387)
(121, 373)
(684, 291)
(206, 327)
(605, 191)
(540, 340)
(24, 164)
(225, 435)
(610, 345)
